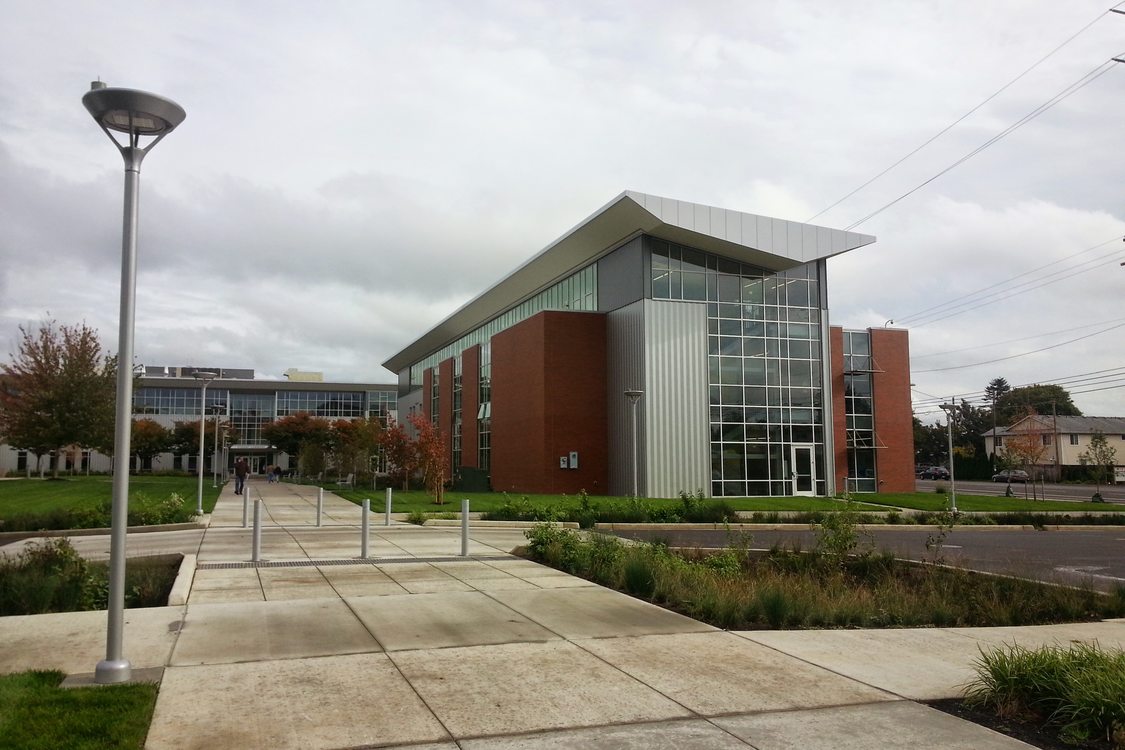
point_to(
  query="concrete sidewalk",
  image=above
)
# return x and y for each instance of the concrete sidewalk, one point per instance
(419, 647)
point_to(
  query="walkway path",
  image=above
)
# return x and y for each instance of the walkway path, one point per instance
(419, 647)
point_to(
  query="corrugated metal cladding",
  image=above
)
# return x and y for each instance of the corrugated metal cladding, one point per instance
(625, 365)
(675, 404)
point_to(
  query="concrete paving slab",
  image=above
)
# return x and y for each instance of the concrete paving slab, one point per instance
(560, 582)
(720, 673)
(470, 570)
(596, 612)
(1109, 634)
(347, 590)
(254, 631)
(414, 571)
(216, 596)
(525, 687)
(901, 725)
(330, 702)
(678, 734)
(74, 642)
(407, 622)
(510, 583)
(435, 587)
(916, 663)
(223, 578)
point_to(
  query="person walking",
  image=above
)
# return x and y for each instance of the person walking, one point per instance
(241, 469)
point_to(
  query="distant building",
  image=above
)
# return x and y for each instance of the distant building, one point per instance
(170, 394)
(1064, 440)
(715, 321)
(303, 377)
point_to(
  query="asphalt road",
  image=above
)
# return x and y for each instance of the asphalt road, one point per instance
(1079, 492)
(1074, 556)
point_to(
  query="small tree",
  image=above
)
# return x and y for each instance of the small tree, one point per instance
(401, 452)
(1025, 446)
(150, 438)
(1100, 456)
(301, 435)
(354, 442)
(433, 458)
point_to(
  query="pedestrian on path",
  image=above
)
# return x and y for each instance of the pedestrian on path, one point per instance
(241, 469)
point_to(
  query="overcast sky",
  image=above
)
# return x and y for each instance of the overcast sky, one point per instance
(350, 173)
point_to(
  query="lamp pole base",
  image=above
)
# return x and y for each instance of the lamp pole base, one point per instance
(111, 672)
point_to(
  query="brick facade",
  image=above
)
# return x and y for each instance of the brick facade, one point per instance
(549, 399)
(894, 417)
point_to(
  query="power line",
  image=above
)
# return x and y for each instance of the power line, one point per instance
(1022, 288)
(1094, 74)
(958, 121)
(1110, 373)
(1013, 341)
(935, 309)
(1023, 354)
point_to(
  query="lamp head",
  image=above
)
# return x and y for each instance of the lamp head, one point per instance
(132, 111)
(204, 375)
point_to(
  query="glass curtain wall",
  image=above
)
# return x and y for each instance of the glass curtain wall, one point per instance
(484, 411)
(764, 365)
(248, 412)
(858, 411)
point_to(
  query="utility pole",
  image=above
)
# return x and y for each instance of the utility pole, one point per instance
(1055, 429)
(949, 410)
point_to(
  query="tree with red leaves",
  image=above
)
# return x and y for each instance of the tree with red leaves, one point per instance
(400, 450)
(433, 459)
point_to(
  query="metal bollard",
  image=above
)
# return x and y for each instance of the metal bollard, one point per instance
(319, 505)
(365, 528)
(256, 549)
(465, 528)
(245, 507)
(387, 516)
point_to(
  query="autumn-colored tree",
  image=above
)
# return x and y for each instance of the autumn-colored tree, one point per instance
(433, 456)
(401, 453)
(184, 436)
(301, 435)
(58, 390)
(150, 439)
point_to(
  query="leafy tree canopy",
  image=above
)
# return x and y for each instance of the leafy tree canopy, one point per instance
(1014, 404)
(58, 390)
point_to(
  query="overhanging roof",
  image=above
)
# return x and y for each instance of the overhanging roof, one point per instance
(772, 244)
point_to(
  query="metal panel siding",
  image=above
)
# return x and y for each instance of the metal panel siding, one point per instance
(625, 369)
(675, 404)
(780, 242)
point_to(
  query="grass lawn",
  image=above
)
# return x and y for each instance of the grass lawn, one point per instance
(37, 714)
(26, 496)
(419, 500)
(970, 503)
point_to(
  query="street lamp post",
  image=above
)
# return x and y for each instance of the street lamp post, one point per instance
(634, 396)
(136, 114)
(206, 378)
(949, 410)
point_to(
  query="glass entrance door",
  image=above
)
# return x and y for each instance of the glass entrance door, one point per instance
(804, 470)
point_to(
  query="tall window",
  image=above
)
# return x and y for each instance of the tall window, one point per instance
(456, 463)
(484, 411)
(859, 415)
(435, 396)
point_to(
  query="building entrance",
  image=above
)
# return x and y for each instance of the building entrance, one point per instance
(804, 469)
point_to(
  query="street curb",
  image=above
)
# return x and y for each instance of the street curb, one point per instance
(808, 526)
(7, 537)
(497, 524)
(182, 587)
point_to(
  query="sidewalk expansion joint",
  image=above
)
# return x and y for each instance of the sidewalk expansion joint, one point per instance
(348, 561)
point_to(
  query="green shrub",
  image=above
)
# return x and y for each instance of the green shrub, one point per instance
(46, 576)
(1079, 689)
(417, 517)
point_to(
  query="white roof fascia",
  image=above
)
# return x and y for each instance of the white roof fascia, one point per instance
(771, 244)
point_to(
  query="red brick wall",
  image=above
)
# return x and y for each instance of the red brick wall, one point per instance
(894, 425)
(470, 401)
(548, 399)
(445, 408)
(839, 433)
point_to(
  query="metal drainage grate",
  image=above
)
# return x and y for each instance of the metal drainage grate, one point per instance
(350, 561)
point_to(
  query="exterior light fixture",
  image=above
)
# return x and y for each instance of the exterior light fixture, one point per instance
(136, 114)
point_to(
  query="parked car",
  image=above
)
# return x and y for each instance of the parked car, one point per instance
(1010, 475)
(934, 472)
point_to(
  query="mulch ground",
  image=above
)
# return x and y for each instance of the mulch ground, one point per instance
(1025, 730)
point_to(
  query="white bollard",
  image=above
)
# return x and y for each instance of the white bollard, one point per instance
(256, 549)
(319, 505)
(365, 529)
(387, 516)
(245, 507)
(465, 528)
